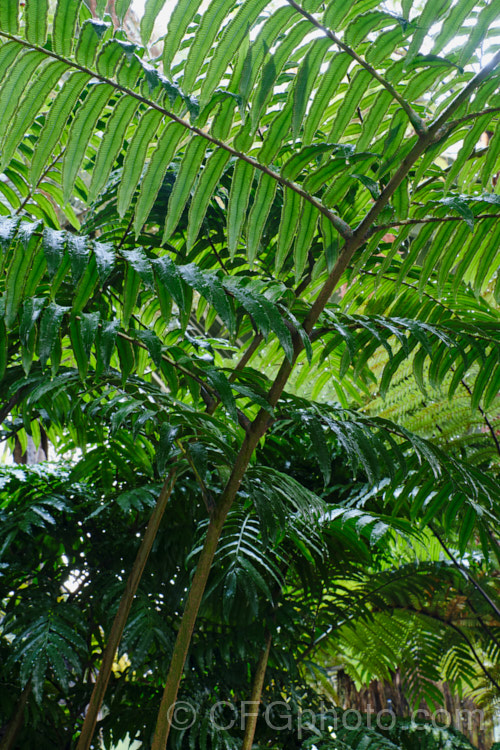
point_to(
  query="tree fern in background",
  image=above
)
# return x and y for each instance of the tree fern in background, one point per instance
(261, 198)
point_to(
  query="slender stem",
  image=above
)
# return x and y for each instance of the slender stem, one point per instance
(255, 697)
(197, 589)
(428, 220)
(474, 115)
(120, 620)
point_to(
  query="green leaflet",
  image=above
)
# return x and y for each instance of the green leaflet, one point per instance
(330, 242)
(141, 264)
(307, 226)
(209, 285)
(485, 19)
(241, 185)
(493, 388)
(153, 344)
(182, 15)
(135, 156)
(131, 288)
(259, 48)
(106, 338)
(227, 46)
(373, 119)
(83, 333)
(105, 259)
(188, 171)
(320, 447)
(385, 45)
(129, 72)
(109, 57)
(221, 384)
(151, 10)
(167, 276)
(306, 79)
(204, 191)
(328, 84)
(8, 53)
(89, 37)
(32, 308)
(357, 87)
(155, 172)
(80, 133)
(126, 355)
(47, 76)
(19, 269)
(288, 224)
(486, 372)
(35, 14)
(467, 525)
(470, 141)
(121, 8)
(49, 330)
(276, 135)
(264, 196)
(55, 120)
(366, 23)
(9, 16)
(491, 159)
(431, 13)
(334, 14)
(203, 39)
(63, 30)
(488, 261)
(300, 159)
(273, 67)
(85, 286)
(265, 314)
(111, 143)
(454, 20)
(53, 245)
(15, 81)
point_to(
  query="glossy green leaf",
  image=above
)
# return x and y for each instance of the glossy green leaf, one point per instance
(49, 330)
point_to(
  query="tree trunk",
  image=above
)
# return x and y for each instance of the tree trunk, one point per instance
(8, 742)
(255, 697)
(121, 617)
